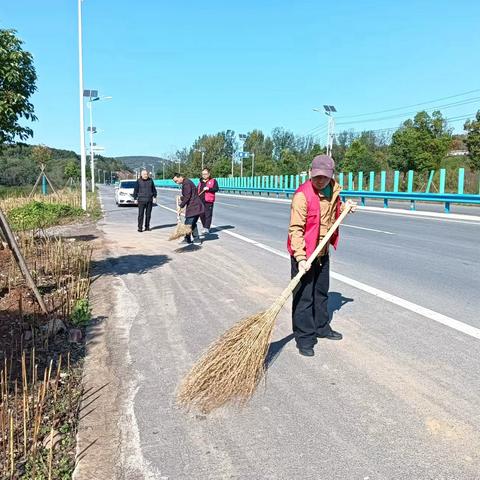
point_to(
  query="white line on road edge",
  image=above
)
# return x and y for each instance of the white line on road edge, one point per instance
(369, 229)
(413, 307)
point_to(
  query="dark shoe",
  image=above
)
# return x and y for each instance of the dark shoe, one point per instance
(306, 352)
(147, 229)
(331, 335)
(140, 230)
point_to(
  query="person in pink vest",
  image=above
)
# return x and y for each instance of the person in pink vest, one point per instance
(315, 207)
(209, 187)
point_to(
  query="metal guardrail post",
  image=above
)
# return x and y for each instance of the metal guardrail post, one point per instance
(372, 182)
(461, 181)
(383, 181)
(410, 181)
(441, 185)
(360, 181)
(340, 179)
(396, 180)
(350, 180)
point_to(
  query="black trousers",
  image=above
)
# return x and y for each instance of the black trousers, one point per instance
(207, 215)
(193, 222)
(144, 209)
(310, 303)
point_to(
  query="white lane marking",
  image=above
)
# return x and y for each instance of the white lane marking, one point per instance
(228, 204)
(413, 307)
(369, 229)
(417, 214)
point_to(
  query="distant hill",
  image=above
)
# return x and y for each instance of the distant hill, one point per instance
(133, 162)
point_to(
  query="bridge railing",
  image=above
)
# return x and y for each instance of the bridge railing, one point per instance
(354, 186)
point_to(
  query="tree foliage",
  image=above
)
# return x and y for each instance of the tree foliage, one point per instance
(420, 144)
(17, 84)
(472, 127)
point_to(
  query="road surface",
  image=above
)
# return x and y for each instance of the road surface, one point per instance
(398, 398)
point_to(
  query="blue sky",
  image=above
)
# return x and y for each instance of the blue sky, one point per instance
(178, 69)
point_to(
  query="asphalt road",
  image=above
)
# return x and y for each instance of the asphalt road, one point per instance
(398, 398)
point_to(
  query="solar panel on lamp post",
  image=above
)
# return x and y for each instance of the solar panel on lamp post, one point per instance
(329, 110)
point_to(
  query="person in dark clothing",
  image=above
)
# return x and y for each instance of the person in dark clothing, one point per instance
(207, 188)
(193, 206)
(145, 193)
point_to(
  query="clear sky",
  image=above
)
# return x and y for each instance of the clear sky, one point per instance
(178, 69)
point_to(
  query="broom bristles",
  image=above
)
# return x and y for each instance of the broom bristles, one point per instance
(232, 367)
(181, 230)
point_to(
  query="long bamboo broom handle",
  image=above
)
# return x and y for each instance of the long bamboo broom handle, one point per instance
(296, 279)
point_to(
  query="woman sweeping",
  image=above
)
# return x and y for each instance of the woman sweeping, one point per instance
(207, 188)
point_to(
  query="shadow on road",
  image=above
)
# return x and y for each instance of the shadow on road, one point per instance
(128, 264)
(275, 348)
(221, 227)
(82, 238)
(188, 248)
(335, 302)
(168, 225)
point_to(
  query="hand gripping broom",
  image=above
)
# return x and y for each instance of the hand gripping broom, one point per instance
(233, 365)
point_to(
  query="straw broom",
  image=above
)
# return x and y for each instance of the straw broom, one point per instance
(181, 230)
(231, 368)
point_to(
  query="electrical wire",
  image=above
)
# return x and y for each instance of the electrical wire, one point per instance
(409, 106)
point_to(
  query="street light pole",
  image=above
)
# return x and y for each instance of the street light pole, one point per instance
(163, 168)
(153, 170)
(253, 164)
(92, 171)
(329, 110)
(83, 159)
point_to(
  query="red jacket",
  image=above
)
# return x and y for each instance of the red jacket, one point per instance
(312, 226)
(209, 195)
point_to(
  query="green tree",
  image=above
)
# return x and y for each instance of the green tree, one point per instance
(72, 170)
(420, 144)
(472, 127)
(17, 84)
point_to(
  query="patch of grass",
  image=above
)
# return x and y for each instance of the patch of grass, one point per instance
(81, 313)
(6, 192)
(94, 208)
(36, 215)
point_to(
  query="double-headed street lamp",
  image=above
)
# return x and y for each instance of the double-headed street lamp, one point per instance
(329, 110)
(92, 96)
(202, 151)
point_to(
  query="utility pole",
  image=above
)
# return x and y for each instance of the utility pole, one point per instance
(83, 159)
(253, 164)
(90, 129)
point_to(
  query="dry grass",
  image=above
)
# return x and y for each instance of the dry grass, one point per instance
(32, 409)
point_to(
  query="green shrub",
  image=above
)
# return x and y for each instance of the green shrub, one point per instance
(81, 313)
(40, 215)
